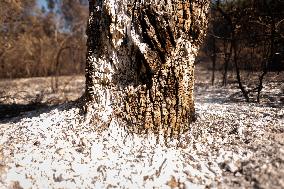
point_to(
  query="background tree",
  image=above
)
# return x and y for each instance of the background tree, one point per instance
(42, 41)
(140, 62)
(247, 41)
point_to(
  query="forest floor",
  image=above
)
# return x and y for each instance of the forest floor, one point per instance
(232, 144)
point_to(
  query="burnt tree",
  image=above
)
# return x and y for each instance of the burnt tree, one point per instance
(140, 58)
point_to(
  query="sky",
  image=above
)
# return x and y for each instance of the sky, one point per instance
(41, 3)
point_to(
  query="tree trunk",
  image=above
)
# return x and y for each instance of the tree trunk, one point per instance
(213, 59)
(140, 58)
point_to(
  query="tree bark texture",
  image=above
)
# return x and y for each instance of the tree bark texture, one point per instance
(140, 61)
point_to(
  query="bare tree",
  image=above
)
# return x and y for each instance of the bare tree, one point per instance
(140, 62)
(247, 35)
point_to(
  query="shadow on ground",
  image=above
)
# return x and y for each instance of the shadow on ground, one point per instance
(204, 93)
(14, 110)
(12, 113)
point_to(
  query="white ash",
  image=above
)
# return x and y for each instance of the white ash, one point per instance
(231, 145)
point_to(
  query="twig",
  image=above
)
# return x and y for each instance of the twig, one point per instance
(158, 172)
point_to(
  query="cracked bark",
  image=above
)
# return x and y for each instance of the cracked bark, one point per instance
(140, 62)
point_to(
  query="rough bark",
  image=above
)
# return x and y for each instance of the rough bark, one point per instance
(140, 61)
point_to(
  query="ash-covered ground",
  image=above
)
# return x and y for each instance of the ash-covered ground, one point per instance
(232, 144)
